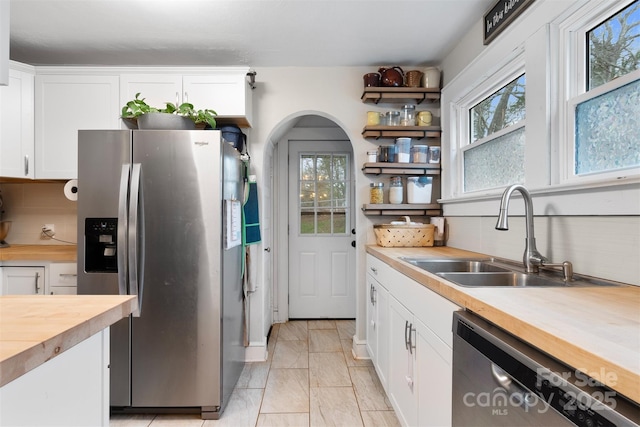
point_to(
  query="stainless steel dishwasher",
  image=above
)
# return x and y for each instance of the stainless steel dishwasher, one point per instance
(499, 380)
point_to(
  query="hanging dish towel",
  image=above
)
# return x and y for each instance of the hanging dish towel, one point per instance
(250, 237)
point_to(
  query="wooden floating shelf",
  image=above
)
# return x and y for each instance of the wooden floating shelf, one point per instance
(419, 95)
(418, 132)
(402, 168)
(431, 209)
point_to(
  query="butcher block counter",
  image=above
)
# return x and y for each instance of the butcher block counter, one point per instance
(593, 329)
(54, 358)
(39, 253)
(36, 328)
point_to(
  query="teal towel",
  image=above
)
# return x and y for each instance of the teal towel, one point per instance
(251, 215)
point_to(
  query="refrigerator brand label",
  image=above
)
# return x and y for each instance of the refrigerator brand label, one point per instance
(201, 142)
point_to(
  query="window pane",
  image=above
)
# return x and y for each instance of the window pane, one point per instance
(307, 171)
(500, 110)
(307, 222)
(340, 195)
(324, 194)
(495, 163)
(614, 46)
(323, 168)
(340, 222)
(324, 222)
(340, 168)
(307, 194)
(608, 131)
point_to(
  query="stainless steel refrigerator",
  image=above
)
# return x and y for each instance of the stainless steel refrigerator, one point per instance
(158, 216)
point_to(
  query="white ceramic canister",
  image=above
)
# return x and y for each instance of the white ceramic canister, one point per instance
(432, 77)
(419, 189)
(403, 150)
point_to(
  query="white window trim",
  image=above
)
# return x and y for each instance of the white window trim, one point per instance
(572, 91)
(510, 69)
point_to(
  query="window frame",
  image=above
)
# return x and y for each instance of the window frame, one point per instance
(572, 34)
(512, 68)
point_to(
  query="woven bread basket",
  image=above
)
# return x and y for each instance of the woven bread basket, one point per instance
(404, 236)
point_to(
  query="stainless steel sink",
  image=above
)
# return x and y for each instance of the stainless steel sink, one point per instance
(504, 279)
(456, 265)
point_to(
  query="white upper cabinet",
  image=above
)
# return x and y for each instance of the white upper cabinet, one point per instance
(64, 105)
(16, 126)
(156, 89)
(225, 90)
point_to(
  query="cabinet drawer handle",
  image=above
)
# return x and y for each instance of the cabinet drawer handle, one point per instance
(375, 270)
(406, 338)
(412, 345)
(36, 283)
(26, 165)
(68, 275)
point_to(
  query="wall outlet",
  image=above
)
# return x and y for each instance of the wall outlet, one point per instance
(48, 231)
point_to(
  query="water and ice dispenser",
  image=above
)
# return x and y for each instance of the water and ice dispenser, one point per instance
(101, 238)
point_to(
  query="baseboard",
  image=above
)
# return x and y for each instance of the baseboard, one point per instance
(256, 352)
(359, 349)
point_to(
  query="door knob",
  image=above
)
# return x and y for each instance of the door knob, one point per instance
(267, 249)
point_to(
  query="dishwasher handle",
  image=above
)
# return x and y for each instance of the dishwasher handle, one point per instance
(524, 397)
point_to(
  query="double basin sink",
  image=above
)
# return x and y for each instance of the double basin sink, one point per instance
(488, 273)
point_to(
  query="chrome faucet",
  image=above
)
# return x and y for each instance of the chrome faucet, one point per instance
(532, 259)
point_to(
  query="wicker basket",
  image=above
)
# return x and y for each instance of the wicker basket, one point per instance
(404, 236)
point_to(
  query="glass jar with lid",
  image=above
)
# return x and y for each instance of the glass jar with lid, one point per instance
(395, 190)
(408, 115)
(376, 193)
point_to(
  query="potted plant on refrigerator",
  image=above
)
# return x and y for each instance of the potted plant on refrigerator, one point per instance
(137, 114)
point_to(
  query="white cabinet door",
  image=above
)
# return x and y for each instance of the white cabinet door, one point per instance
(402, 364)
(156, 89)
(378, 328)
(23, 281)
(433, 378)
(225, 91)
(16, 126)
(372, 319)
(65, 104)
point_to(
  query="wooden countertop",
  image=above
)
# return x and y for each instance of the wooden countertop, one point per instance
(39, 253)
(593, 329)
(36, 328)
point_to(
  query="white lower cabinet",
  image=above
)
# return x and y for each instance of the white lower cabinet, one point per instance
(22, 281)
(411, 345)
(403, 392)
(378, 328)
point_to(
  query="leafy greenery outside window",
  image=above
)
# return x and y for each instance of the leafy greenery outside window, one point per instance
(495, 154)
(324, 199)
(606, 111)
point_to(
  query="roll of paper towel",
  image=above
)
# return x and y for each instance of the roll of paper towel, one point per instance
(71, 190)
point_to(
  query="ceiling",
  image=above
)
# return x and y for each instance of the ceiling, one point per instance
(255, 33)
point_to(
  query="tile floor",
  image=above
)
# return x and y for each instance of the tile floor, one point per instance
(310, 379)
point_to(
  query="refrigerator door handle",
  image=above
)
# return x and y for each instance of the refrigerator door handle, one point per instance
(122, 230)
(136, 237)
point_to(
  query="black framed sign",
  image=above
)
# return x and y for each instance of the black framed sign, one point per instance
(501, 15)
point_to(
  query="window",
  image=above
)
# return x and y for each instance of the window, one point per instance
(606, 111)
(324, 201)
(495, 154)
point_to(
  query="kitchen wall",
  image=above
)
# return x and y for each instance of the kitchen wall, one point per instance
(29, 206)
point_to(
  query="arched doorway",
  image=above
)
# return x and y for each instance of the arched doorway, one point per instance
(312, 169)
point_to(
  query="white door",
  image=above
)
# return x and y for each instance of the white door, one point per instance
(321, 258)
